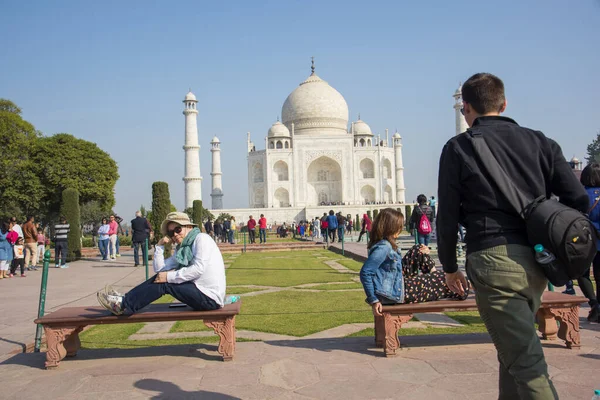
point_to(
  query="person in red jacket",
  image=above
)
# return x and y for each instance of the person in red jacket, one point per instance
(366, 226)
(262, 228)
(251, 231)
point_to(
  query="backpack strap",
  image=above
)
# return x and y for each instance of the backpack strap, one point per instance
(594, 206)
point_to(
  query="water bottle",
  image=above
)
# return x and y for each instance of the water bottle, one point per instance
(542, 255)
(230, 299)
(596, 395)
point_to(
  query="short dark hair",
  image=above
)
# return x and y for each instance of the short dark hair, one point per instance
(29, 218)
(421, 199)
(484, 92)
(590, 176)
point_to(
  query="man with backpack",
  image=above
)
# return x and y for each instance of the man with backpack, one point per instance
(500, 258)
(421, 219)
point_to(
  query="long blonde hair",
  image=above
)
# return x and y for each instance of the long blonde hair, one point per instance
(388, 223)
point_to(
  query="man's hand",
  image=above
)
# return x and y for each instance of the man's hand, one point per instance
(377, 308)
(457, 282)
(161, 277)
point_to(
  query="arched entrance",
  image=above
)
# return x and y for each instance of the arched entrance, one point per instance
(367, 194)
(282, 198)
(324, 181)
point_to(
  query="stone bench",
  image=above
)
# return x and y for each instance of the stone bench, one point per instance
(62, 327)
(555, 307)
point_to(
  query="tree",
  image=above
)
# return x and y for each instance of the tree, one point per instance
(20, 188)
(92, 213)
(408, 214)
(205, 213)
(375, 213)
(70, 210)
(357, 226)
(197, 212)
(63, 161)
(593, 150)
(143, 211)
(161, 205)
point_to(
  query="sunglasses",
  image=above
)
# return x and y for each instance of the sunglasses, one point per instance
(172, 233)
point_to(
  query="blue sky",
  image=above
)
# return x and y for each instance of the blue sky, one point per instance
(115, 73)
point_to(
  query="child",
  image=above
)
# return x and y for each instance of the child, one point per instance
(41, 245)
(6, 251)
(19, 260)
(382, 276)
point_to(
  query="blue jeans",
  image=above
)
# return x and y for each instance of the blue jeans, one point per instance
(424, 239)
(262, 234)
(60, 251)
(340, 233)
(230, 234)
(148, 291)
(117, 245)
(103, 246)
(136, 252)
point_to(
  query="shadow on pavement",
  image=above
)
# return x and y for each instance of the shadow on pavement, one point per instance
(171, 391)
(36, 360)
(23, 345)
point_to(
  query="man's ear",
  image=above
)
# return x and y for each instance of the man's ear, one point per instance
(503, 108)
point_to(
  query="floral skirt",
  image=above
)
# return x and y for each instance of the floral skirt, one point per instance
(428, 287)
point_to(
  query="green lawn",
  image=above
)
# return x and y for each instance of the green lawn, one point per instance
(242, 289)
(296, 313)
(342, 286)
(282, 269)
(351, 264)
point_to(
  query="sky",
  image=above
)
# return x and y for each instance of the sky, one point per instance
(115, 73)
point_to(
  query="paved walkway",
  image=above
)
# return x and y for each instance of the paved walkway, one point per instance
(427, 367)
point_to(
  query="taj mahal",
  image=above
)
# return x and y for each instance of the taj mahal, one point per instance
(313, 160)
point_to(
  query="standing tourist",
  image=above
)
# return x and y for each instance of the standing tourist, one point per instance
(61, 232)
(30, 236)
(332, 225)
(324, 227)
(341, 221)
(317, 228)
(19, 258)
(432, 203)
(140, 228)
(366, 226)
(423, 225)
(226, 230)
(218, 231)
(6, 250)
(262, 228)
(41, 244)
(251, 232)
(194, 274)
(501, 265)
(16, 227)
(103, 238)
(113, 230)
(208, 228)
(119, 232)
(232, 230)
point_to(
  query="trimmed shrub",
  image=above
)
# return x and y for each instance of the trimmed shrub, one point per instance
(407, 214)
(357, 224)
(369, 215)
(87, 242)
(161, 206)
(375, 213)
(197, 213)
(70, 210)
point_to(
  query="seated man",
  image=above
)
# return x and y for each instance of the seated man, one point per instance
(194, 275)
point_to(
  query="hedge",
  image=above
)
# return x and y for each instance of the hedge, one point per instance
(161, 205)
(197, 213)
(70, 210)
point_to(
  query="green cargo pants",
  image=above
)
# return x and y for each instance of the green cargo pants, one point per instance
(508, 288)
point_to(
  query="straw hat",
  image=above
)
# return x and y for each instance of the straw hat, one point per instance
(179, 218)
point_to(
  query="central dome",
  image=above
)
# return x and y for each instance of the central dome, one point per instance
(315, 105)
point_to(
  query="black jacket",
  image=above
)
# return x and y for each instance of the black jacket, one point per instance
(140, 229)
(415, 217)
(469, 197)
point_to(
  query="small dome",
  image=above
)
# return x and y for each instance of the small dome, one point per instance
(574, 159)
(361, 128)
(397, 136)
(278, 129)
(190, 96)
(215, 140)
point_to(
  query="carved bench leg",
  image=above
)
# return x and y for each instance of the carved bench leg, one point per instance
(72, 343)
(392, 326)
(379, 331)
(55, 342)
(226, 331)
(547, 324)
(569, 326)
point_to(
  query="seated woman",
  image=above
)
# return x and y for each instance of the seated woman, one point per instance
(194, 275)
(382, 274)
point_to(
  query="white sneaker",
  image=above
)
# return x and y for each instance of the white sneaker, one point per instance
(109, 290)
(114, 304)
(57, 266)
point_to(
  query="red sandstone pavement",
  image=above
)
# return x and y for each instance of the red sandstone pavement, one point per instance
(427, 367)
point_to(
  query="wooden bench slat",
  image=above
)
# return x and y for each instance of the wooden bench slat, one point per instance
(152, 313)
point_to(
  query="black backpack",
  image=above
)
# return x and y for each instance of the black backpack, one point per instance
(564, 231)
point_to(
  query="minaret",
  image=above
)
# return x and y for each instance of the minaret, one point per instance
(217, 184)
(400, 190)
(461, 124)
(192, 178)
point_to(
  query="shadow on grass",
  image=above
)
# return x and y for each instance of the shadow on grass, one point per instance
(36, 360)
(169, 390)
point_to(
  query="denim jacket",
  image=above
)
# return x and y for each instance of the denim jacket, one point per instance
(381, 274)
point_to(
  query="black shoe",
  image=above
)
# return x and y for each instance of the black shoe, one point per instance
(594, 315)
(570, 291)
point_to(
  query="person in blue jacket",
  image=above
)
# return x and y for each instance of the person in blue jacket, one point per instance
(590, 179)
(382, 276)
(332, 225)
